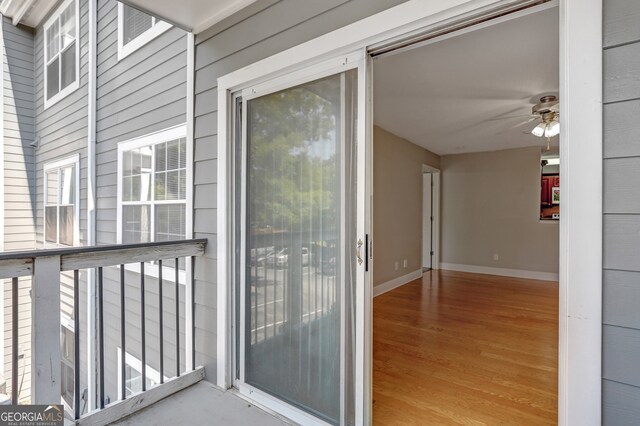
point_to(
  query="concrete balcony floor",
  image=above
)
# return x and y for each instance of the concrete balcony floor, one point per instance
(202, 404)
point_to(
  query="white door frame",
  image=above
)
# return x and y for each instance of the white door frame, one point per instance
(435, 213)
(579, 381)
(427, 220)
(352, 62)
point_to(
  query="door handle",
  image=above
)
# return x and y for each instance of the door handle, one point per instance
(359, 251)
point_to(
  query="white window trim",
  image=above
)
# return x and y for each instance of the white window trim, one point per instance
(76, 84)
(67, 322)
(144, 38)
(136, 364)
(580, 304)
(73, 160)
(151, 139)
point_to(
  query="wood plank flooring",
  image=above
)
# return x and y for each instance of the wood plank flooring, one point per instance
(469, 349)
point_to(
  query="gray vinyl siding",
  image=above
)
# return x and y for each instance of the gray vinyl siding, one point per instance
(261, 30)
(61, 129)
(18, 127)
(621, 222)
(19, 186)
(133, 342)
(144, 92)
(61, 132)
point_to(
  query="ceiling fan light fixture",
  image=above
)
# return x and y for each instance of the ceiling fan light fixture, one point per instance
(539, 130)
(553, 129)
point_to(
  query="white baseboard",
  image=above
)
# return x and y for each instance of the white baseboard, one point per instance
(396, 282)
(516, 273)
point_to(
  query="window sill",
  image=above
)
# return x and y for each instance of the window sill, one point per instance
(48, 103)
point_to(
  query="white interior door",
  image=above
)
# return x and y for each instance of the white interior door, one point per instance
(427, 220)
(301, 244)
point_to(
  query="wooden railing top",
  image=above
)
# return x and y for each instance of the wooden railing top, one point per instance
(17, 264)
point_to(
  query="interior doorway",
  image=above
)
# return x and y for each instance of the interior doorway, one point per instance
(474, 116)
(430, 217)
(580, 91)
(427, 221)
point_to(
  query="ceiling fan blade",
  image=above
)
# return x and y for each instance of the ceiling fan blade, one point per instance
(533, 118)
(506, 117)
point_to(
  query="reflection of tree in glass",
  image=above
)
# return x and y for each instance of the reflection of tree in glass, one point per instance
(293, 162)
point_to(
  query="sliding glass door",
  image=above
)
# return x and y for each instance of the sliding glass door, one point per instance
(297, 254)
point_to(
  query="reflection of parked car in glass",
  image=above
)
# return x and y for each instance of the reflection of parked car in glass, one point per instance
(267, 259)
(281, 258)
(258, 255)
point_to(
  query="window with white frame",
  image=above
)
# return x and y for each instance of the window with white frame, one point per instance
(133, 375)
(136, 28)
(67, 361)
(61, 206)
(61, 53)
(152, 187)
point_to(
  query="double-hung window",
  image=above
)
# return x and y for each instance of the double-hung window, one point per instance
(61, 53)
(152, 187)
(136, 28)
(61, 207)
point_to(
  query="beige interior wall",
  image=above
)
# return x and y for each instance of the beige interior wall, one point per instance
(397, 204)
(490, 205)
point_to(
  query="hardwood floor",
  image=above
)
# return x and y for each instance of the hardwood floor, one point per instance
(471, 349)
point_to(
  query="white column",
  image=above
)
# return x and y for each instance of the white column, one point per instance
(45, 331)
(580, 304)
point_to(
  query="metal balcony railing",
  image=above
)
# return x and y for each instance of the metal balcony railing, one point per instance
(45, 268)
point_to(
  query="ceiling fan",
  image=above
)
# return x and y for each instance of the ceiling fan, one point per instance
(548, 112)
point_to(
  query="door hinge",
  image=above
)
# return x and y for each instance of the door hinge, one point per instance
(431, 253)
(431, 218)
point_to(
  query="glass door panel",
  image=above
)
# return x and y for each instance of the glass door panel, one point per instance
(297, 283)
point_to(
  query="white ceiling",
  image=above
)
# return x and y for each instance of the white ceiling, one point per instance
(452, 96)
(191, 15)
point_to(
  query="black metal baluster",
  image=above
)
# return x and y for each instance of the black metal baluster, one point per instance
(160, 321)
(76, 338)
(101, 334)
(193, 313)
(177, 267)
(123, 352)
(14, 341)
(143, 332)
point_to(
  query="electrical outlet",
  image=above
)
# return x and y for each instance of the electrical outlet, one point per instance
(404, 263)
(496, 256)
(396, 266)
